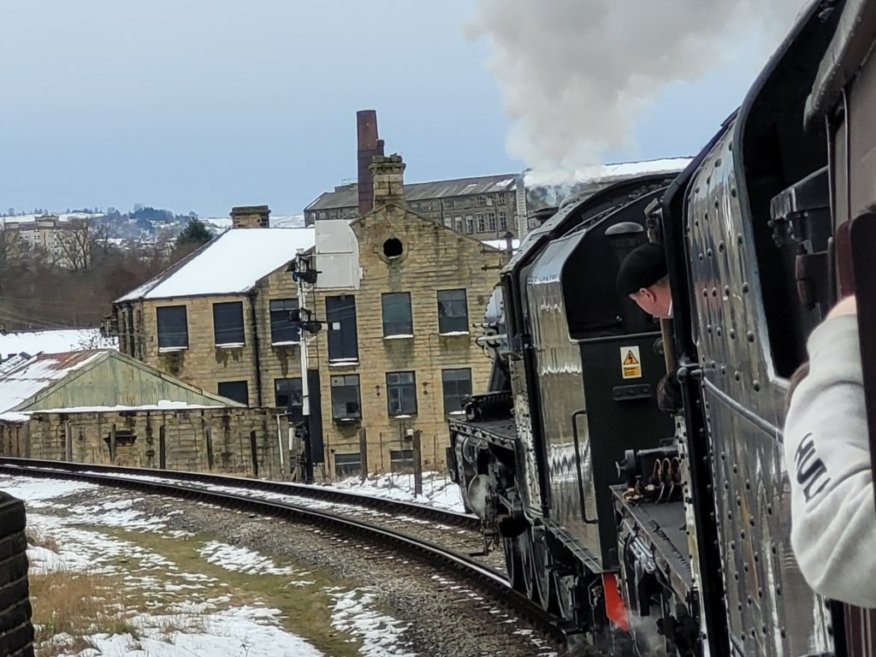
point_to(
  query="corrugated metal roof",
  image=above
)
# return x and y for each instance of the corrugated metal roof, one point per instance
(347, 196)
(23, 377)
(231, 264)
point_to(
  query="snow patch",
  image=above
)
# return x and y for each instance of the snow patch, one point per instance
(438, 489)
(382, 636)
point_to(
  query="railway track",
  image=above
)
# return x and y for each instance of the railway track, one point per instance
(286, 503)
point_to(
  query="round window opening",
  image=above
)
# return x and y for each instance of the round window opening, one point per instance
(392, 248)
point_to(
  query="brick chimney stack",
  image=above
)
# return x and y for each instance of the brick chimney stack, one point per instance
(250, 216)
(388, 172)
(368, 145)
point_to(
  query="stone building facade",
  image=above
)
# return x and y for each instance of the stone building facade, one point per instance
(486, 207)
(422, 291)
(220, 318)
(397, 348)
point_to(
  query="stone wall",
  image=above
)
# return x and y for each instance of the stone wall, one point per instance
(16, 631)
(240, 441)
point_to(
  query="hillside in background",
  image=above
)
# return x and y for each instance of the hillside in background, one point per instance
(142, 224)
(125, 249)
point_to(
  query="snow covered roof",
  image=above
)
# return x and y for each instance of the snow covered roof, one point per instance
(163, 405)
(22, 377)
(33, 342)
(231, 264)
(605, 172)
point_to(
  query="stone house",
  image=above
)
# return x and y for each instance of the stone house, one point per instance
(219, 319)
(100, 406)
(397, 294)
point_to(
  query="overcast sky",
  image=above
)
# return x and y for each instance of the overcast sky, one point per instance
(205, 104)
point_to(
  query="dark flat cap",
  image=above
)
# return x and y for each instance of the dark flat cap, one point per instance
(643, 267)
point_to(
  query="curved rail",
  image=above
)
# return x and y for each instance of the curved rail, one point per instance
(486, 579)
(325, 493)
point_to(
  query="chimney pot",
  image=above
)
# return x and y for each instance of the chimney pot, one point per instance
(388, 172)
(250, 216)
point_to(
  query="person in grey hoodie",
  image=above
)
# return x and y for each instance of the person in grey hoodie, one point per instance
(833, 514)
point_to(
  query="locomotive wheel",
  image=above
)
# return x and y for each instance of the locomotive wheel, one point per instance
(513, 563)
(541, 571)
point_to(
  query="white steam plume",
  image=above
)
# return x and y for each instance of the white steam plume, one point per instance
(576, 74)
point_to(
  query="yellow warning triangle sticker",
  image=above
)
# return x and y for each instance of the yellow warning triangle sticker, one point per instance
(631, 358)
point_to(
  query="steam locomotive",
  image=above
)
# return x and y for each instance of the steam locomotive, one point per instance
(658, 534)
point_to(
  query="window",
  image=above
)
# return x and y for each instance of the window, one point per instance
(343, 341)
(173, 328)
(503, 221)
(456, 385)
(482, 227)
(401, 460)
(288, 395)
(458, 224)
(491, 222)
(401, 393)
(345, 397)
(348, 465)
(448, 222)
(397, 314)
(469, 225)
(236, 390)
(283, 330)
(452, 311)
(228, 323)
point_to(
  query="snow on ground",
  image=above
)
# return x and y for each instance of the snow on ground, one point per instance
(381, 635)
(182, 613)
(438, 489)
(244, 560)
(250, 631)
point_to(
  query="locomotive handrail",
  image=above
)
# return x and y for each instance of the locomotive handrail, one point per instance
(581, 494)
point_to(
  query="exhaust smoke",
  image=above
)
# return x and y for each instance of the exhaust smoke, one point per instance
(576, 74)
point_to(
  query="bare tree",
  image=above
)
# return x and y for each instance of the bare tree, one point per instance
(74, 245)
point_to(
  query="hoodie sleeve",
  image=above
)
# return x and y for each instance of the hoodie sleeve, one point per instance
(833, 514)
